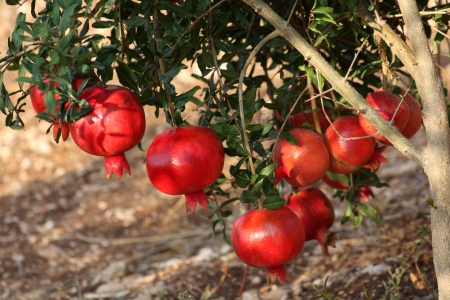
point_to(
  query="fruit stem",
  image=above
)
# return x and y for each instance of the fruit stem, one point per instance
(162, 66)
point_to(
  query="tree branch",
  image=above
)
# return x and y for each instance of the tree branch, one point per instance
(396, 44)
(337, 81)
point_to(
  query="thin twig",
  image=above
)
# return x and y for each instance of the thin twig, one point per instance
(241, 100)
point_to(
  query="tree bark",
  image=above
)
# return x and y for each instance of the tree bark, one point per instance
(437, 154)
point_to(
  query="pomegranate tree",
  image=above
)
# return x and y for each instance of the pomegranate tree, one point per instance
(185, 160)
(302, 164)
(115, 124)
(265, 238)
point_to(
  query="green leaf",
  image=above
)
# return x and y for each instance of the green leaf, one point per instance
(247, 197)
(368, 211)
(338, 177)
(2, 94)
(202, 5)
(229, 75)
(289, 138)
(103, 24)
(268, 170)
(177, 9)
(274, 202)
(49, 100)
(12, 2)
(45, 116)
(125, 75)
(357, 220)
(66, 18)
(242, 178)
(167, 77)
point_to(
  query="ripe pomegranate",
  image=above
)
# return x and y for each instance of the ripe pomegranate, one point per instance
(348, 156)
(304, 164)
(415, 112)
(265, 238)
(316, 212)
(386, 104)
(185, 160)
(37, 101)
(365, 192)
(115, 124)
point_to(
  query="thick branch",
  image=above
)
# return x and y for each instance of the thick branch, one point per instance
(393, 41)
(337, 81)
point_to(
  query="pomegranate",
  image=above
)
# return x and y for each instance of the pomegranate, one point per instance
(415, 112)
(316, 212)
(265, 238)
(37, 101)
(185, 160)
(386, 105)
(115, 124)
(348, 155)
(303, 164)
(365, 192)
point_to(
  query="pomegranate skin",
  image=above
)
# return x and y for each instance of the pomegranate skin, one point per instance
(185, 160)
(316, 212)
(348, 156)
(415, 112)
(304, 164)
(386, 104)
(264, 238)
(115, 124)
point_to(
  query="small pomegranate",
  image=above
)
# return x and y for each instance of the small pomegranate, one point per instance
(348, 155)
(115, 124)
(303, 164)
(316, 213)
(185, 160)
(37, 101)
(415, 113)
(265, 238)
(365, 192)
(386, 105)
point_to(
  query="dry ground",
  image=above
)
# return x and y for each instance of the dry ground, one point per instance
(66, 232)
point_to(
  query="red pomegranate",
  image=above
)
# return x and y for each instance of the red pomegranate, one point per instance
(115, 124)
(185, 160)
(303, 164)
(365, 192)
(415, 112)
(37, 101)
(349, 154)
(316, 213)
(386, 105)
(265, 238)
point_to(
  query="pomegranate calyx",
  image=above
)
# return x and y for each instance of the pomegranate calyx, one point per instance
(374, 161)
(116, 164)
(365, 193)
(279, 174)
(275, 273)
(64, 131)
(196, 197)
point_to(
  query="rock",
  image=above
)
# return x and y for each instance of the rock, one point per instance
(250, 295)
(114, 270)
(375, 269)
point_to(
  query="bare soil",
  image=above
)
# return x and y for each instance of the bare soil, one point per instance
(66, 232)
